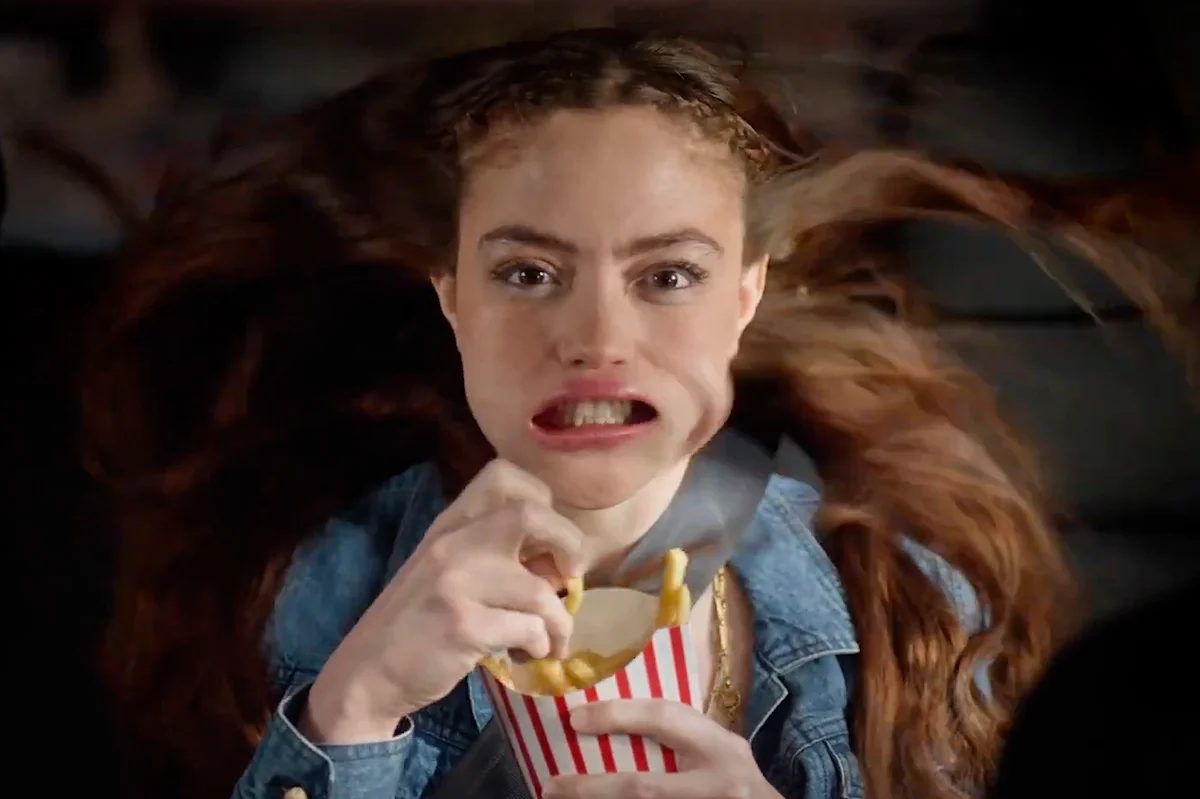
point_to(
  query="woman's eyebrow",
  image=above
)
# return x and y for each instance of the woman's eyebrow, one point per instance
(524, 234)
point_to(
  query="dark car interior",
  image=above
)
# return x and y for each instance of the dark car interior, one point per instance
(1059, 90)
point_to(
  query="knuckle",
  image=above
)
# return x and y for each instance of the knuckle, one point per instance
(548, 605)
(643, 789)
(494, 494)
(498, 478)
(537, 641)
(459, 620)
(449, 587)
(509, 480)
(728, 789)
(553, 633)
(731, 786)
(441, 551)
(525, 513)
(497, 469)
(741, 748)
(602, 715)
(445, 521)
(551, 608)
(566, 540)
(489, 489)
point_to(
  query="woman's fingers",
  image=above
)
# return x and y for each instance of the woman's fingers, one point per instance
(523, 527)
(509, 629)
(672, 724)
(498, 484)
(517, 589)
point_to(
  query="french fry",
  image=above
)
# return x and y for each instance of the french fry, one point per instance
(610, 665)
(581, 670)
(669, 598)
(674, 569)
(574, 597)
(551, 677)
(499, 670)
(585, 669)
(552, 674)
(683, 606)
(535, 685)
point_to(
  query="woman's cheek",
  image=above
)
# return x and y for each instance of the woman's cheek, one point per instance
(709, 388)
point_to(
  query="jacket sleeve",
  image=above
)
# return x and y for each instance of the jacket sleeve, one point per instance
(286, 761)
(349, 564)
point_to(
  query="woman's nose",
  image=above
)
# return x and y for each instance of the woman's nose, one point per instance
(596, 334)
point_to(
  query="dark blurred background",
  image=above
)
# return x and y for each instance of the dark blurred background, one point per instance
(1063, 89)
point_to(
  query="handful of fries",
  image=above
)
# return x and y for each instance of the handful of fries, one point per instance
(553, 677)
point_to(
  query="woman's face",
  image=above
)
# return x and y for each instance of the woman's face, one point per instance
(599, 296)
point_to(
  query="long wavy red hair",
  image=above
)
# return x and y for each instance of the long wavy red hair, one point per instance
(272, 349)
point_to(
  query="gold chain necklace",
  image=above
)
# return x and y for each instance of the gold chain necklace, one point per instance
(724, 694)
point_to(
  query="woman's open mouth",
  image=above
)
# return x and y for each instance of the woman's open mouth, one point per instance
(573, 414)
(591, 423)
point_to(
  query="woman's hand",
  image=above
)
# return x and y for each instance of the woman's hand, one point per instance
(466, 592)
(713, 762)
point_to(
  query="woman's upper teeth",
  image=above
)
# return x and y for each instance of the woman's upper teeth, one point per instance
(584, 412)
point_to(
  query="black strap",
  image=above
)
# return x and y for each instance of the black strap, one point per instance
(487, 771)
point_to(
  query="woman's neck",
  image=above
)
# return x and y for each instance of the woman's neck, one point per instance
(611, 532)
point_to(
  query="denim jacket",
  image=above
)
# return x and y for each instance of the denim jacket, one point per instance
(804, 663)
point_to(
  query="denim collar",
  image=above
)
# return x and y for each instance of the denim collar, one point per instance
(799, 604)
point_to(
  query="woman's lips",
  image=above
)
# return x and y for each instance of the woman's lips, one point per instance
(572, 424)
(598, 411)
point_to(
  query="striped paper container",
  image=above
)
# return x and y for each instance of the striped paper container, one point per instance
(537, 727)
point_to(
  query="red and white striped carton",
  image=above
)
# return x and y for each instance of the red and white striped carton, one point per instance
(608, 621)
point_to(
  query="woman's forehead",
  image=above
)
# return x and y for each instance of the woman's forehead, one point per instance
(614, 173)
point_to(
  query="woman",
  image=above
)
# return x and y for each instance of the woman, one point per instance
(502, 297)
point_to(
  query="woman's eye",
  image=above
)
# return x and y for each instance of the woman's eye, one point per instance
(673, 278)
(525, 275)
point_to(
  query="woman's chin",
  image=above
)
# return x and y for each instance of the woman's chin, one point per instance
(596, 479)
(594, 491)
(600, 481)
